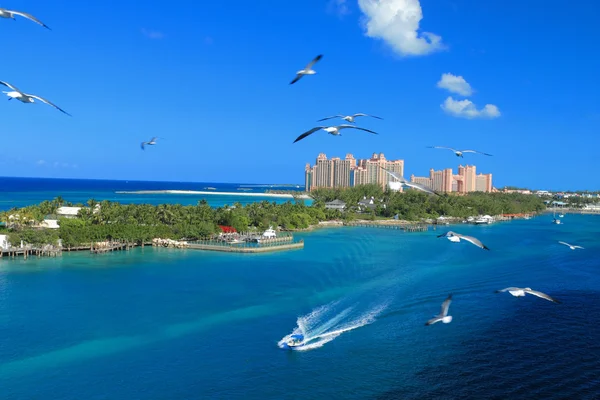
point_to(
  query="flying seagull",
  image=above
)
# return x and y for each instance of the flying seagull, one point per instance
(455, 237)
(443, 315)
(332, 130)
(413, 185)
(152, 142)
(571, 246)
(307, 70)
(4, 13)
(520, 292)
(27, 98)
(459, 153)
(349, 118)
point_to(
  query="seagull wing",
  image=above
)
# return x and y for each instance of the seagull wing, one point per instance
(395, 175)
(441, 147)
(355, 127)
(49, 103)
(565, 243)
(420, 187)
(541, 295)
(296, 79)
(473, 240)
(305, 134)
(507, 289)
(445, 306)
(433, 321)
(366, 115)
(475, 151)
(143, 143)
(8, 85)
(31, 18)
(314, 61)
(154, 139)
(578, 247)
(449, 233)
(333, 116)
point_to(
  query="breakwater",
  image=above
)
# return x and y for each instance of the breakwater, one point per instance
(247, 247)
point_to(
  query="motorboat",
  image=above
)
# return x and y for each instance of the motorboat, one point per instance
(210, 188)
(295, 340)
(483, 220)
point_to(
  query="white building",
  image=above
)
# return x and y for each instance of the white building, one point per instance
(335, 205)
(69, 212)
(4, 244)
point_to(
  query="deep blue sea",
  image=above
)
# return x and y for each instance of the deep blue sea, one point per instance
(183, 324)
(20, 192)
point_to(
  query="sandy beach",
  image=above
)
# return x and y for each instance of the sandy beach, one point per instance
(302, 196)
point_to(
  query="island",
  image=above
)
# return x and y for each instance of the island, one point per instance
(55, 225)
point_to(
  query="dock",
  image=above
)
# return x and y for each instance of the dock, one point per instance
(31, 251)
(263, 247)
(398, 226)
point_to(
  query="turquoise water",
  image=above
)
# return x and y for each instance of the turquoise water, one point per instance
(21, 192)
(183, 324)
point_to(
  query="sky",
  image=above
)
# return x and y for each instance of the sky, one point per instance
(212, 80)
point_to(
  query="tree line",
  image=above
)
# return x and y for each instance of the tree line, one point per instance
(140, 223)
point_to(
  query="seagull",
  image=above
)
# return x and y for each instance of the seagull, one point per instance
(443, 315)
(307, 70)
(27, 98)
(520, 292)
(571, 246)
(4, 13)
(332, 130)
(413, 185)
(349, 118)
(152, 142)
(459, 153)
(455, 237)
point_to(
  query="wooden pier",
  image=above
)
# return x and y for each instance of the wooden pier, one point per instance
(245, 247)
(31, 251)
(402, 227)
(105, 247)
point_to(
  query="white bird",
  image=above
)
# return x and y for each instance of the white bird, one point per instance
(443, 315)
(413, 185)
(332, 130)
(307, 70)
(459, 153)
(456, 237)
(349, 118)
(520, 292)
(152, 142)
(4, 13)
(571, 246)
(27, 98)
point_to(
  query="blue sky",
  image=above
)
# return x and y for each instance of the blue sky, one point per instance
(212, 79)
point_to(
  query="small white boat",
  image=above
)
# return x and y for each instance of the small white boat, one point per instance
(210, 188)
(483, 220)
(294, 341)
(561, 215)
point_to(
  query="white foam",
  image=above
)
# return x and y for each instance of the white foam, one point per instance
(318, 334)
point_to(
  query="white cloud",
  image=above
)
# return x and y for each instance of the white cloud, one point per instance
(397, 23)
(339, 7)
(41, 162)
(466, 109)
(152, 34)
(455, 84)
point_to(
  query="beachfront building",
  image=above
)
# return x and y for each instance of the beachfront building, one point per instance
(348, 172)
(335, 205)
(465, 181)
(68, 212)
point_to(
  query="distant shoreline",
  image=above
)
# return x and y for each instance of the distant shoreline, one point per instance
(302, 196)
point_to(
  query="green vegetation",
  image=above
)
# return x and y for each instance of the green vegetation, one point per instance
(140, 223)
(413, 205)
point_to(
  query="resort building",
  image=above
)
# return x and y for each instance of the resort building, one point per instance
(465, 181)
(347, 172)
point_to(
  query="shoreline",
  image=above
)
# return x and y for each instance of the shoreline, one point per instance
(201, 192)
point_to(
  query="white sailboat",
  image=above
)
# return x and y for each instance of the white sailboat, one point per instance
(555, 220)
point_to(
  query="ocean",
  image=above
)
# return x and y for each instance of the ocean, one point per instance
(21, 192)
(157, 323)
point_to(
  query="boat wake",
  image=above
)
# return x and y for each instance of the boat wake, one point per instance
(327, 322)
